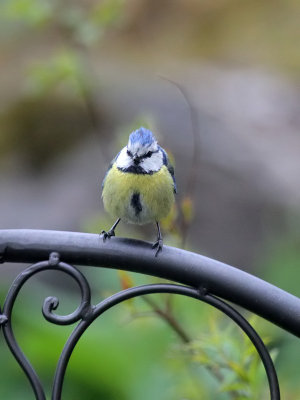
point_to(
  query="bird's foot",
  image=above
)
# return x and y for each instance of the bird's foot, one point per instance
(159, 245)
(108, 234)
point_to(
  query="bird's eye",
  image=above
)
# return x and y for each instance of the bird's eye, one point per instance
(129, 153)
(149, 154)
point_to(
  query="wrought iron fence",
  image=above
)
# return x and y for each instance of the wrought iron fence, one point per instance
(196, 276)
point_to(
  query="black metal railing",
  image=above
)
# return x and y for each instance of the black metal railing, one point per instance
(196, 276)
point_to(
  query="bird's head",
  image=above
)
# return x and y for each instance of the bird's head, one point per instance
(142, 151)
(141, 144)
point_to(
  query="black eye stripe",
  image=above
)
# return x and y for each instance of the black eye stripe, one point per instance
(149, 154)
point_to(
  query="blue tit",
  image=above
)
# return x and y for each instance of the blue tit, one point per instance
(139, 185)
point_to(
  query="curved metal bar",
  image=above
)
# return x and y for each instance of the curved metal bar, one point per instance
(49, 305)
(173, 264)
(165, 288)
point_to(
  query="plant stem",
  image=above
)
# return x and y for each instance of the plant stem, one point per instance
(170, 319)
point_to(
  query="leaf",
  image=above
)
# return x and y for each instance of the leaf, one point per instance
(62, 68)
(30, 12)
(106, 12)
(239, 370)
(187, 208)
(235, 386)
(125, 280)
(169, 222)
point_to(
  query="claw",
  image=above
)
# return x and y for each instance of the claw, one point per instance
(107, 235)
(111, 232)
(159, 245)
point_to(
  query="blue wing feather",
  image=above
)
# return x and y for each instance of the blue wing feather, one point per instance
(169, 166)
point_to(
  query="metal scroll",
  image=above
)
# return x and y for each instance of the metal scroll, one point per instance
(86, 313)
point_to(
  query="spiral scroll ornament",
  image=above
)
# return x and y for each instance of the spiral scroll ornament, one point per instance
(50, 304)
(86, 313)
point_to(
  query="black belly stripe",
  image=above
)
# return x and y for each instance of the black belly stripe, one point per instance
(136, 204)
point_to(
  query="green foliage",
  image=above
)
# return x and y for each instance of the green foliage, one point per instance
(219, 361)
(131, 350)
(281, 266)
(26, 13)
(62, 68)
(62, 77)
(85, 22)
(230, 359)
(281, 259)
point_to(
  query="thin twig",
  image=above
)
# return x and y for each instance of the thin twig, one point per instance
(175, 325)
(169, 318)
(190, 189)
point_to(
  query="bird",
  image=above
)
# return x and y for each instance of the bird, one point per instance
(139, 186)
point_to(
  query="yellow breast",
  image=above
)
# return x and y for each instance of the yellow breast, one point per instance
(138, 198)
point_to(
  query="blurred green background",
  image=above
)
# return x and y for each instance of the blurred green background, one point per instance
(76, 78)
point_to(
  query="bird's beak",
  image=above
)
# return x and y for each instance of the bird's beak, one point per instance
(136, 160)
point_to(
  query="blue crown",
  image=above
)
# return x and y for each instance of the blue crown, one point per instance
(142, 136)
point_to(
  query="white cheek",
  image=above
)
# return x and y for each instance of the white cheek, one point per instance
(124, 160)
(153, 163)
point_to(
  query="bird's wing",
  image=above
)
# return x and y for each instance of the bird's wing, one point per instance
(109, 168)
(170, 167)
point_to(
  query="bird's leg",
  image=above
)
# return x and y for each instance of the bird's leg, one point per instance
(111, 232)
(159, 242)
